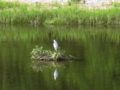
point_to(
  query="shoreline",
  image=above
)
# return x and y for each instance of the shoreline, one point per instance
(56, 14)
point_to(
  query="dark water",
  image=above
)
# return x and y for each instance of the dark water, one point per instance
(97, 66)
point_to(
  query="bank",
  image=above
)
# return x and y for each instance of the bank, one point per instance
(36, 14)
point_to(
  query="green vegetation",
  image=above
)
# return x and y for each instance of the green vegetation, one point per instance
(9, 5)
(47, 55)
(39, 53)
(116, 4)
(14, 12)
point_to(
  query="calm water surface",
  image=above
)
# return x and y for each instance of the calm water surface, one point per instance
(97, 66)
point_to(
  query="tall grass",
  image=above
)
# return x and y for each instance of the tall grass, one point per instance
(7, 5)
(58, 15)
(76, 15)
(116, 4)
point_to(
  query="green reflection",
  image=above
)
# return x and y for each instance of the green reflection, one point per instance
(97, 51)
(21, 32)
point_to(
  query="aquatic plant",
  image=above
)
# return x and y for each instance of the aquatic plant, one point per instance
(47, 55)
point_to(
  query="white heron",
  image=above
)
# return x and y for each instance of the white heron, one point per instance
(56, 74)
(55, 45)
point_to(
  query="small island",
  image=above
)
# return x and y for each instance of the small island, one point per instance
(46, 55)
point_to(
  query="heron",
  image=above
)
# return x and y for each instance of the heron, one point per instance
(55, 45)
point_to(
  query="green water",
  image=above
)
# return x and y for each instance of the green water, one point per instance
(97, 50)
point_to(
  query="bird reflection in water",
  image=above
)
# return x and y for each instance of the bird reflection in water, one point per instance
(56, 74)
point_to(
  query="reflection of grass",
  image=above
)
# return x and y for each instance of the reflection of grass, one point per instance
(71, 33)
(41, 65)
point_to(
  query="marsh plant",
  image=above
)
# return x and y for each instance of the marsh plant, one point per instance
(40, 54)
(10, 5)
(14, 12)
(116, 4)
(57, 54)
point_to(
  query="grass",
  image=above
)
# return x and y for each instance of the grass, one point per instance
(39, 54)
(116, 4)
(14, 12)
(9, 5)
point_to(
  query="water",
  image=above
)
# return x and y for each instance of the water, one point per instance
(97, 66)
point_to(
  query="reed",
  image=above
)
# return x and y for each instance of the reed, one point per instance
(7, 5)
(73, 14)
(116, 4)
